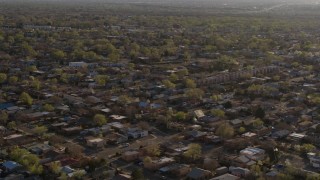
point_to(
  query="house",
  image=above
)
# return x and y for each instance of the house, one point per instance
(221, 170)
(72, 130)
(175, 170)
(116, 138)
(253, 153)
(39, 148)
(296, 137)
(78, 64)
(159, 163)
(95, 142)
(130, 155)
(238, 171)
(196, 135)
(243, 161)
(199, 113)
(11, 166)
(136, 133)
(226, 177)
(314, 160)
(280, 134)
(199, 174)
(17, 139)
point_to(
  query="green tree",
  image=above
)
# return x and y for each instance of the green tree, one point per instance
(225, 130)
(189, 83)
(25, 158)
(40, 130)
(153, 150)
(194, 93)
(3, 117)
(36, 84)
(168, 84)
(101, 80)
(260, 113)
(218, 113)
(181, 116)
(58, 54)
(26, 98)
(3, 77)
(55, 167)
(100, 119)
(12, 125)
(13, 79)
(48, 107)
(308, 148)
(194, 151)
(257, 123)
(124, 99)
(242, 130)
(137, 174)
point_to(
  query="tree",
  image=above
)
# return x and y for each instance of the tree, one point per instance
(260, 113)
(12, 125)
(3, 117)
(31, 68)
(153, 150)
(173, 77)
(257, 123)
(74, 150)
(124, 99)
(58, 54)
(194, 151)
(26, 98)
(101, 80)
(181, 116)
(227, 105)
(147, 160)
(189, 83)
(308, 148)
(168, 84)
(218, 113)
(36, 84)
(225, 130)
(13, 79)
(3, 77)
(40, 130)
(55, 167)
(210, 164)
(25, 158)
(137, 174)
(194, 93)
(242, 130)
(79, 174)
(100, 119)
(48, 107)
